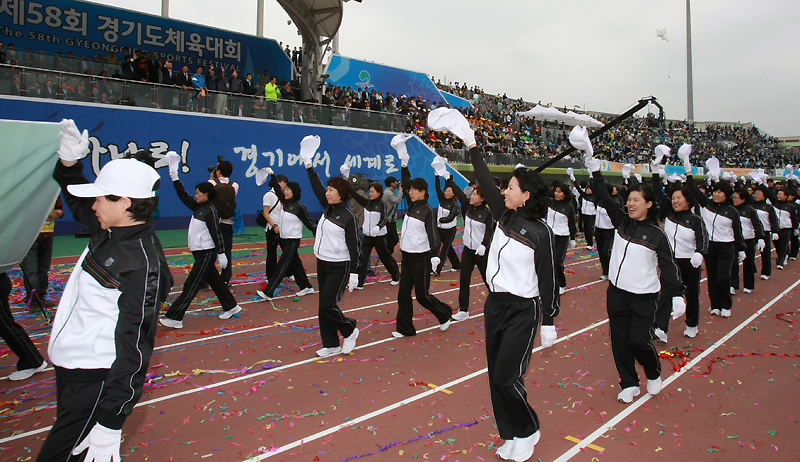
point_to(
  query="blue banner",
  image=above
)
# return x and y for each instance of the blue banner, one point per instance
(456, 102)
(250, 144)
(364, 75)
(87, 29)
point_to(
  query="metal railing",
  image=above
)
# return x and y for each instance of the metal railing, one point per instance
(62, 85)
(461, 156)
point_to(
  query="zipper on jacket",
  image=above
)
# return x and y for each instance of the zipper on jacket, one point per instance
(619, 268)
(508, 239)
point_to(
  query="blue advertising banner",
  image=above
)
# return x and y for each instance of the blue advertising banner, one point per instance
(88, 29)
(365, 75)
(249, 144)
(455, 102)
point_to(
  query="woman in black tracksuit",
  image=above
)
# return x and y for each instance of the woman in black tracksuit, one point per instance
(640, 250)
(522, 286)
(688, 240)
(588, 214)
(294, 216)
(769, 221)
(787, 224)
(725, 236)
(604, 233)
(205, 243)
(754, 239)
(418, 244)
(337, 250)
(478, 230)
(446, 224)
(561, 219)
(374, 229)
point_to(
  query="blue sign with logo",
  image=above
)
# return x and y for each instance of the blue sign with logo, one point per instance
(250, 144)
(88, 29)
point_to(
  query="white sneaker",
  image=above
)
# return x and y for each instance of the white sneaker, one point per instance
(780, 267)
(726, 313)
(230, 312)
(604, 277)
(764, 277)
(662, 336)
(523, 447)
(325, 352)
(562, 290)
(359, 287)
(291, 278)
(394, 283)
(444, 325)
(792, 258)
(171, 323)
(715, 312)
(747, 291)
(654, 386)
(461, 315)
(453, 270)
(27, 373)
(396, 334)
(627, 394)
(350, 342)
(690, 332)
(263, 295)
(504, 451)
(306, 291)
(733, 291)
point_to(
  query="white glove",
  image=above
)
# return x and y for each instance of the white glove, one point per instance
(638, 177)
(353, 282)
(761, 245)
(662, 172)
(678, 307)
(789, 170)
(308, 147)
(755, 176)
(579, 139)
(775, 236)
(683, 155)
(728, 176)
(571, 174)
(399, 145)
(223, 261)
(438, 165)
(797, 232)
(435, 262)
(102, 444)
(696, 260)
(626, 171)
(549, 336)
(446, 175)
(262, 175)
(74, 144)
(174, 163)
(673, 178)
(744, 180)
(520, 165)
(374, 231)
(592, 164)
(444, 119)
(742, 256)
(661, 152)
(345, 171)
(481, 250)
(572, 243)
(683, 178)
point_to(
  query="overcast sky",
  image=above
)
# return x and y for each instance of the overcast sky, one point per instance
(603, 55)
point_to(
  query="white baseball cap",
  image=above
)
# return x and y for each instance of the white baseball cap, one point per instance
(122, 177)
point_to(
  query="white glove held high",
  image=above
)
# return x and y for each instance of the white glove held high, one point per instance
(579, 138)
(353, 282)
(438, 165)
(444, 119)
(549, 336)
(571, 174)
(345, 171)
(481, 250)
(102, 444)
(74, 144)
(626, 171)
(696, 260)
(683, 154)
(435, 263)
(678, 307)
(661, 152)
(308, 147)
(399, 145)
(262, 175)
(223, 260)
(638, 177)
(174, 163)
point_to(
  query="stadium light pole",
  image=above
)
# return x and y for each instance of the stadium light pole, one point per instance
(260, 18)
(164, 8)
(689, 85)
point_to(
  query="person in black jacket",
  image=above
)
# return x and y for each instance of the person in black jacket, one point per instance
(206, 245)
(447, 225)
(110, 303)
(478, 231)
(787, 224)
(375, 232)
(769, 221)
(754, 239)
(561, 219)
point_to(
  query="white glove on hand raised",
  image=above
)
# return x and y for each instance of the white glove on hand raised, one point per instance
(755, 176)
(399, 145)
(435, 263)
(549, 336)
(662, 172)
(626, 171)
(353, 282)
(728, 176)
(308, 147)
(262, 175)
(174, 163)
(481, 250)
(579, 139)
(678, 307)
(673, 178)
(761, 245)
(345, 171)
(74, 144)
(223, 260)
(571, 174)
(742, 256)
(775, 236)
(661, 152)
(696, 260)
(683, 154)
(438, 165)
(444, 119)
(102, 445)
(638, 177)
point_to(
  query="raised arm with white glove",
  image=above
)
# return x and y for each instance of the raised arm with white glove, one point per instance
(661, 152)
(345, 171)
(683, 154)
(626, 171)
(308, 147)
(74, 144)
(571, 174)
(174, 163)
(262, 175)
(579, 138)
(444, 119)
(399, 145)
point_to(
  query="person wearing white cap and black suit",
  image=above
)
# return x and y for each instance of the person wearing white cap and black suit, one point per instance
(110, 303)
